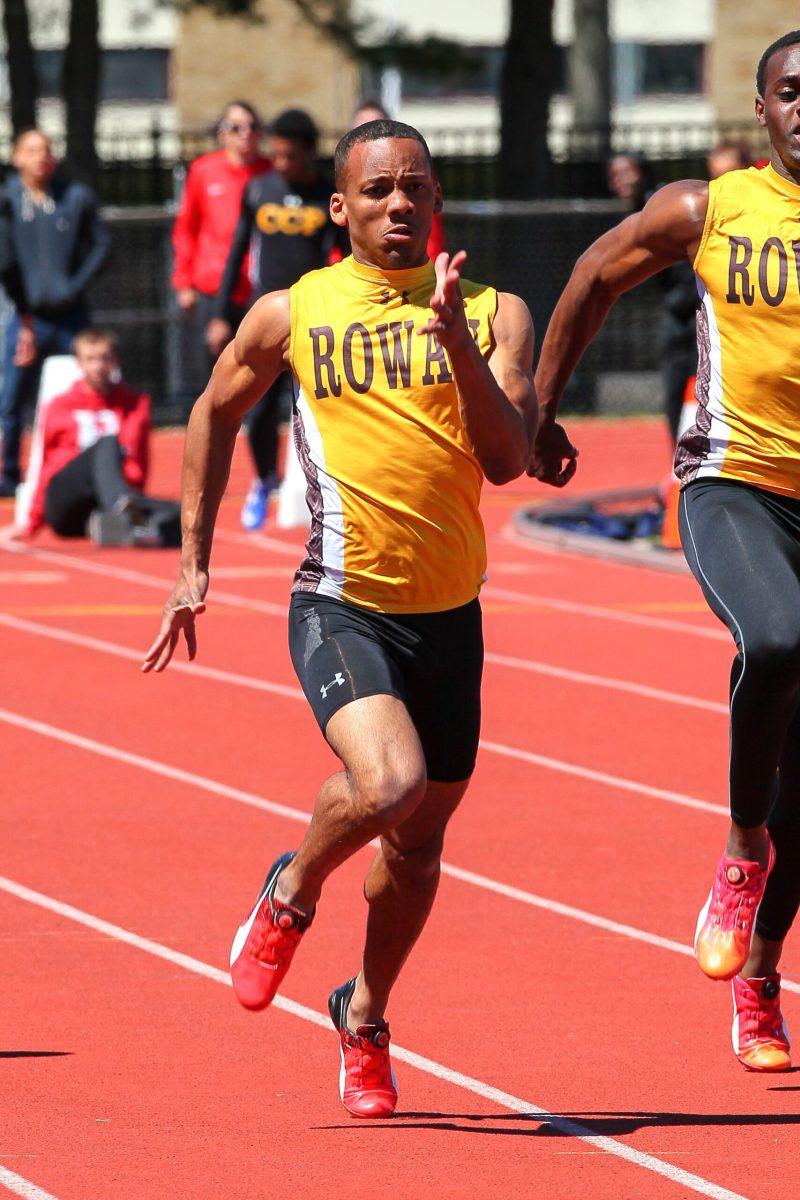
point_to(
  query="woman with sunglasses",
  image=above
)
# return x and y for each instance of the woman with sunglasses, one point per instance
(206, 221)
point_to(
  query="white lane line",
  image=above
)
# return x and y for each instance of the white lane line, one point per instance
(248, 602)
(614, 781)
(606, 614)
(22, 625)
(573, 1129)
(301, 816)
(528, 756)
(32, 577)
(605, 681)
(22, 1187)
(150, 764)
(164, 585)
(502, 660)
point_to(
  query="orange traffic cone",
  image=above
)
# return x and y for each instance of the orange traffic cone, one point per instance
(670, 536)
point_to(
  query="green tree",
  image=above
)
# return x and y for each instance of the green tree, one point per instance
(525, 167)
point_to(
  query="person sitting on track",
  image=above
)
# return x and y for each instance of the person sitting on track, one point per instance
(412, 385)
(739, 468)
(95, 458)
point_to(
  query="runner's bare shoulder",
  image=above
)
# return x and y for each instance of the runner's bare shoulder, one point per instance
(675, 215)
(267, 326)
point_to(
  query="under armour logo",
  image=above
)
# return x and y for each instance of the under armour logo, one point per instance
(386, 297)
(338, 679)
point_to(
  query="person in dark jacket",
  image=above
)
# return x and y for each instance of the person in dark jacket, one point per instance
(52, 244)
(285, 224)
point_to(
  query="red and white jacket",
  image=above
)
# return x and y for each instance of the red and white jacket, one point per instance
(76, 420)
(203, 229)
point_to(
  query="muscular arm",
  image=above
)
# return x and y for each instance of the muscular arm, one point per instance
(497, 397)
(669, 228)
(245, 370)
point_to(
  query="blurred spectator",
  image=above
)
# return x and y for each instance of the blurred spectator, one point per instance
(95, 459)
(728, 156)
(52, 244)
(631, 180)
(368, 110)
(285, 221)
(372, 110)
(206, 220)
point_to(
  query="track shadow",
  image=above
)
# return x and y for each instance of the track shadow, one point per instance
(567, 1124)
(35, 1053)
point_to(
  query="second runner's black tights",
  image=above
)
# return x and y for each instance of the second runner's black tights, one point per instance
(743, 546)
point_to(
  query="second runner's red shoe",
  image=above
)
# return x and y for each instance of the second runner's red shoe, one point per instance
(367, 1085)
(760, 1037)
(726, 922)
(264, 946)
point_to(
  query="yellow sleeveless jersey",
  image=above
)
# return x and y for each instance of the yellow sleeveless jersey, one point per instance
(748, 334)
(393, 487)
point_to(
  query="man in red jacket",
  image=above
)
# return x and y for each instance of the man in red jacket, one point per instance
(95, 458)
(209, 210)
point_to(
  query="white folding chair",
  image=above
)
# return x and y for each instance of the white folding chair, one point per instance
(59, 372)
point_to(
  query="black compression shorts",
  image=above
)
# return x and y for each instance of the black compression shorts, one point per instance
(432, 662)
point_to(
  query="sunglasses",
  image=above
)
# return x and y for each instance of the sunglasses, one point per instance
(246, 127)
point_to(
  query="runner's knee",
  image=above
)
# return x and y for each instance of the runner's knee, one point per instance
(773, 653)
(416, 862)
(391, 791)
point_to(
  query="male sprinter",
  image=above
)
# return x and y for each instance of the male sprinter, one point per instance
(405, 400)
(739, 468)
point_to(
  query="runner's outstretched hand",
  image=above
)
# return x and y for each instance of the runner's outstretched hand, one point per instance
(448, 322)
(550, 449)
(186, 602)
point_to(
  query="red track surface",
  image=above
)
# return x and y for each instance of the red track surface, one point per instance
(130, 1076)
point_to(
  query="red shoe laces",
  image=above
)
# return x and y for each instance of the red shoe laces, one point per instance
(371, 1062)
(730, 897)
(760, 1017)
(273, 934)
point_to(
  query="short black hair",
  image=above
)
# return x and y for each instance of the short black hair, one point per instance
(374, 131)
(788, 39)
(296, 125)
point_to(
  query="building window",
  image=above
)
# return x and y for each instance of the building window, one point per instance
(124, 74)
(672, 70)
(644, 69)
(477, 75)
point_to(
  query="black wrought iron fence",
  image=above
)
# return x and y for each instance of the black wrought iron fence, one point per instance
(528, 248)
(141, 168)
